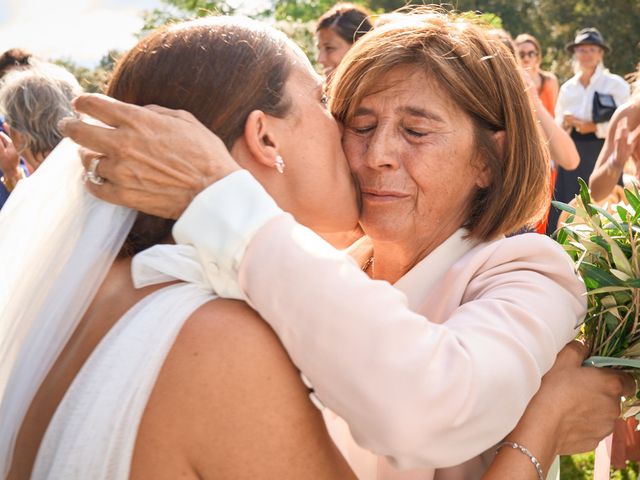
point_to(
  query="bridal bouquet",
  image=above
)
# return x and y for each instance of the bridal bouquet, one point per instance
(605, 246)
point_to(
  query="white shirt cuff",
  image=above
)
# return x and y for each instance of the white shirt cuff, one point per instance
(220, 222)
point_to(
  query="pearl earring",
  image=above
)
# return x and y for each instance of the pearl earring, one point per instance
(279, 164)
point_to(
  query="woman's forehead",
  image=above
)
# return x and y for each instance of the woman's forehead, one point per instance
(527, 45)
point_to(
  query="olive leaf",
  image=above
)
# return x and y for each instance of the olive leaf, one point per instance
(604, 244)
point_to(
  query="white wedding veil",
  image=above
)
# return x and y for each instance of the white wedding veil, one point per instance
(57, 243)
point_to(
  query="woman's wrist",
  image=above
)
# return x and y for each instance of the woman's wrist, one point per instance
(524, 451)
(538, 431)
(11, 178)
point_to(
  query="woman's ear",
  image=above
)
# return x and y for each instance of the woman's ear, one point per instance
(484, 173)
(260, 138)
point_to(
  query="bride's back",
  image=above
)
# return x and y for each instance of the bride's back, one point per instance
(222, 396)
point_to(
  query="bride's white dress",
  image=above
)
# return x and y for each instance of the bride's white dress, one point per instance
(57, 244)
(93, 432)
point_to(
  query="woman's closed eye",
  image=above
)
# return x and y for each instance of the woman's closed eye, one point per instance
(362, 129)
(415, 133)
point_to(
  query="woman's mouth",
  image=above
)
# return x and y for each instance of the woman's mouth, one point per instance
(371, 195)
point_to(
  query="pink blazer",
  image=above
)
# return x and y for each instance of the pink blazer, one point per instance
(429, 376)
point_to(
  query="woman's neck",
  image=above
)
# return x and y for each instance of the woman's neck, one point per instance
(392, 260)
(586, 74)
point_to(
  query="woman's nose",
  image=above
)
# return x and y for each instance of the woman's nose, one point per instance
(382, 151)
(321, 57)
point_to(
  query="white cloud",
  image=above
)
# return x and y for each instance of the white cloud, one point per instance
(82, 30)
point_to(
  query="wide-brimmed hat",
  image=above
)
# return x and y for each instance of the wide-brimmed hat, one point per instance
(588, 36)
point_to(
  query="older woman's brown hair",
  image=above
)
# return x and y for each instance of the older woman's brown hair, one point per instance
(220, 69)
(481, 77)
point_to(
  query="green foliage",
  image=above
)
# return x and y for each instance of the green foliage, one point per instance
(92, 80)
(580, 467)
(555, 22)
(302, 10)
(618, 20)
(605, 248)
(202, 7)
(178, 10)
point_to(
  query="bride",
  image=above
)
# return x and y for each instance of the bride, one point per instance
(113, 366)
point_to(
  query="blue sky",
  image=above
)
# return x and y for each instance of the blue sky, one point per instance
(82, 30)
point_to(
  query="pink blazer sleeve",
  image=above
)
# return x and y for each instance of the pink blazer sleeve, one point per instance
(421, 393)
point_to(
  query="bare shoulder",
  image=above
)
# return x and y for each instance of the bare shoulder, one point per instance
(234, 403)
(549, 76)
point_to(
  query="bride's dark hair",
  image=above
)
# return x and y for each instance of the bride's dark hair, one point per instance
(219, 69)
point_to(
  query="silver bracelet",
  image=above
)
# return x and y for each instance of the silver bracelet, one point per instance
(534, 460)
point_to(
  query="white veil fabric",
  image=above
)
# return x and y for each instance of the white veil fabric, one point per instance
(57, 243)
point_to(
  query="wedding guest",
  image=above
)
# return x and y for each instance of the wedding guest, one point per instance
(546, 83)
(337, 30)
(418, 387)
(585, 105)
(561, 147)
(12, 168)
(621, 145)
(33, 101)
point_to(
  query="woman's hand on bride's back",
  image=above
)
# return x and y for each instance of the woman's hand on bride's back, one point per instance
(577, 404)
(153, 159)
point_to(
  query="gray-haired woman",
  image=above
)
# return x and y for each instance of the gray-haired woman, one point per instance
(33, 101)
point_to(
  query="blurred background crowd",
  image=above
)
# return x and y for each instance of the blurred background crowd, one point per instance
(579, 59)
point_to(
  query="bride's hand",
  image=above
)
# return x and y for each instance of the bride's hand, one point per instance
(153, 159)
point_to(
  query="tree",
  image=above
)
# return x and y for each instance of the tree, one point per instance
(93, 81)
(553, 22)
(177, 10)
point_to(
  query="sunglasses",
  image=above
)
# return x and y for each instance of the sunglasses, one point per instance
(530, 54)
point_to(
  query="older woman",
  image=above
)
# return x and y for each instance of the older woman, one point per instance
(33, 100)
(441, 137)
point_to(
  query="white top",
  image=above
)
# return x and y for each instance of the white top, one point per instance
(94, 429)
(577, 100)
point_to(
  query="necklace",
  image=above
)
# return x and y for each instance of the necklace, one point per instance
(367, 264)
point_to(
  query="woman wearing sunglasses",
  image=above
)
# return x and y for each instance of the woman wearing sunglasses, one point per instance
(546, 82)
